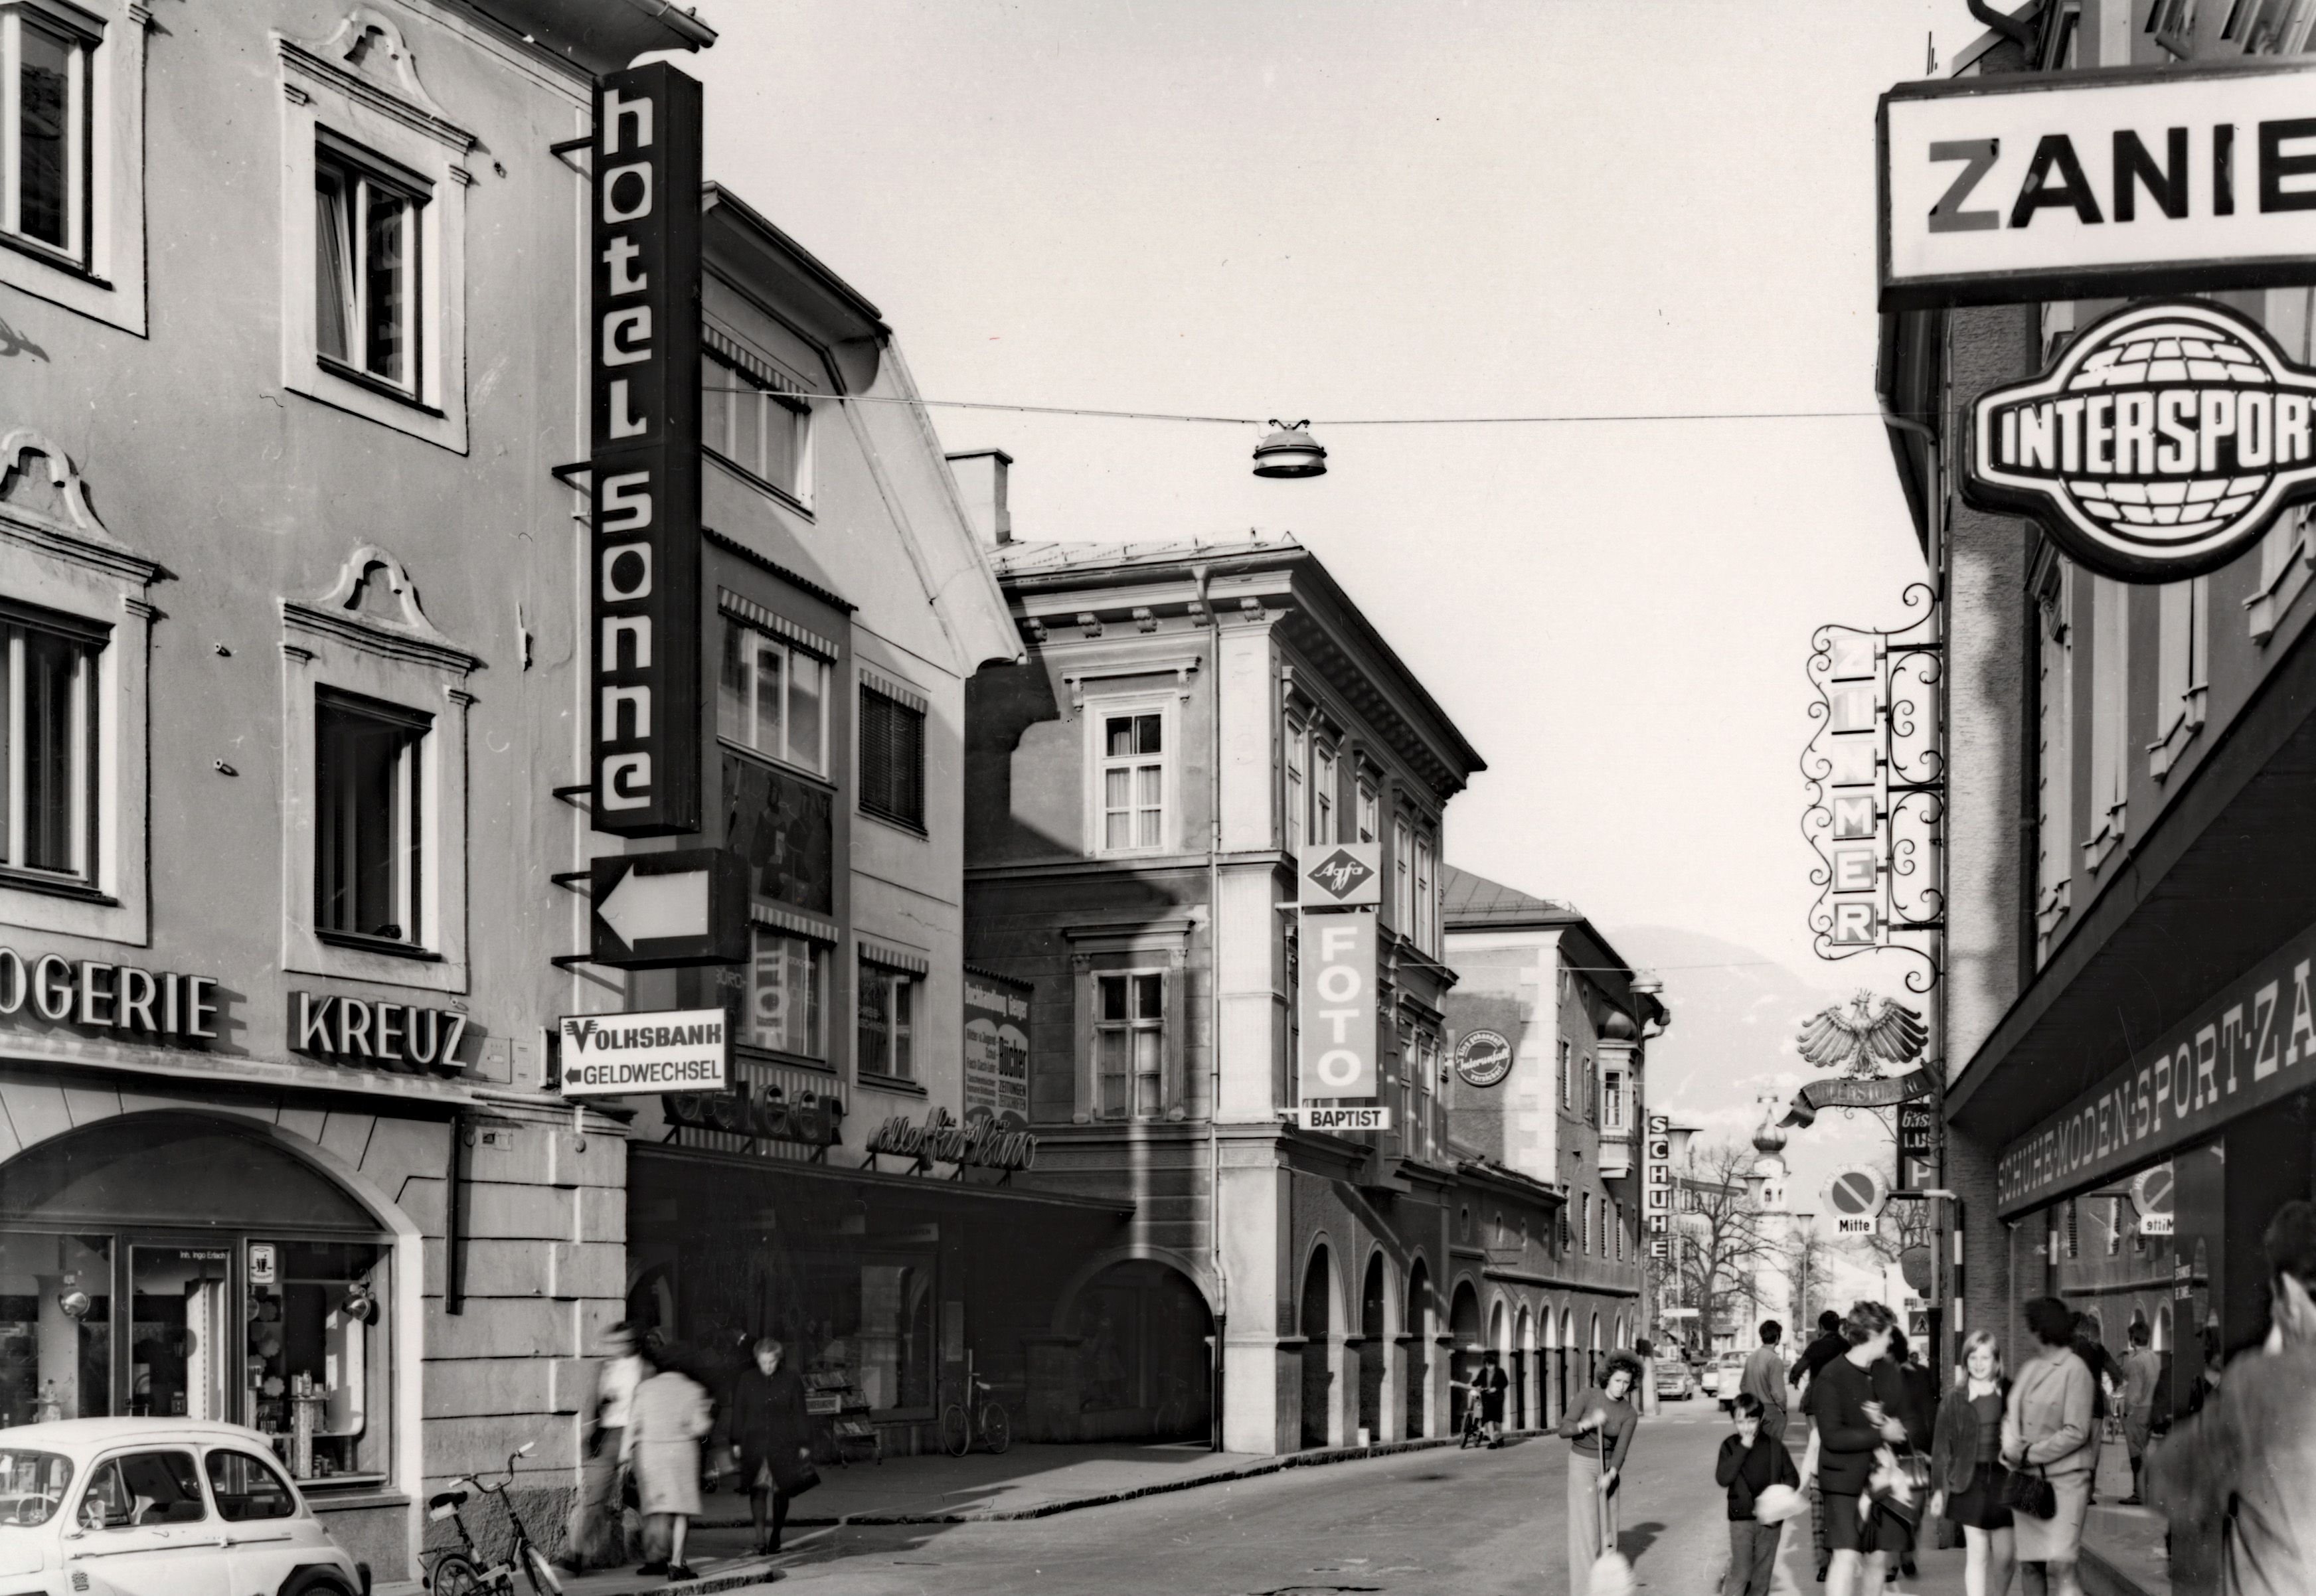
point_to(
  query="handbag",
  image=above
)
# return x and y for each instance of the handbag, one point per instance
(797, 1476)
(2030, 1494)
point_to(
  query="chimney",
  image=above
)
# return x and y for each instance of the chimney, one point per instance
(981, 479)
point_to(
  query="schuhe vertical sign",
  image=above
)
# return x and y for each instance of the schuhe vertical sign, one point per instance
(644, 512)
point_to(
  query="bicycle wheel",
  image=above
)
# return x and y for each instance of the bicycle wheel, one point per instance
(454, 1574)
(540, 1571)
(956, 1430)
(996, 1426)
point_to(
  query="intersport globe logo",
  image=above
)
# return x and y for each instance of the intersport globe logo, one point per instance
(2165, 440)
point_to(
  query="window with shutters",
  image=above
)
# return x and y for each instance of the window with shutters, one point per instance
(1402, 891)
(886, 1038)
(1567, 1082)
(1322, 794)
(1298, 740)
(1370, 808)
(369, 822)
(765, 433)
(48, 798)
(892, 759)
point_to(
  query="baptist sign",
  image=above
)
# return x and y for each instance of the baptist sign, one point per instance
(2017, 187)
(2162, 444)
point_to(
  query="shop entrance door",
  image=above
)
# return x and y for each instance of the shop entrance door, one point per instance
(182, 1336)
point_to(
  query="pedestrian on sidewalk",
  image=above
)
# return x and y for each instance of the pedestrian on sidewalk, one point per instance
(771, 1437)
(593, 1537)
(2141, 1374)
(1828, 1346)
(1919, 1411)
(2254, 1443)
(1492, 1382)
(671, 1415)
(1599, 1426)
(1966, 1472)
(1853, 1405)
(2048, 1430)
(1764, 1380)
(1751, 1461)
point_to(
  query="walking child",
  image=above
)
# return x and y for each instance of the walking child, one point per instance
(1751, 1461)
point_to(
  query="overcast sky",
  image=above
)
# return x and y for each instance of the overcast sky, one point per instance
(1426, 209)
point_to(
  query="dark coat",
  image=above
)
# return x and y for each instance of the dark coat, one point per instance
(1748, 1471)
(1954, 1449)
(764, 1417)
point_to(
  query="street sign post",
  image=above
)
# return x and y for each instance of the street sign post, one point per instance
(1855, 1196)
(657, 911)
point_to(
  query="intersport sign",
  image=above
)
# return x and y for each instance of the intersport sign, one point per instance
(2161, 443)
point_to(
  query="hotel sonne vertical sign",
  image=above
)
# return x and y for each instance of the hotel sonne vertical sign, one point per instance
(643, 508)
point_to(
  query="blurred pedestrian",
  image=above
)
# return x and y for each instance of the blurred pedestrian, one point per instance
(771, 1437)
(1599, 1426)
(2048, 1431)
(593, 1537)
(1851, 1404)
(671, 1414)
(2248, 1460)
(1492, 1382)
(1829, 1345)
(1966, 1472)
(1918, 1413)
(1764, 1380)
(2141, 1374)
(1751, 1461)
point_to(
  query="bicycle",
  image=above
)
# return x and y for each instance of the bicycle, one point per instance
(456, 1572)
(959, 1420)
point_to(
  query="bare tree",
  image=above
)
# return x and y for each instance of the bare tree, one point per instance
(1809, 1258)
(1721, 1241)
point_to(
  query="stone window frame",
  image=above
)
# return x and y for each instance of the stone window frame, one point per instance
(398, 657)
(1159, 948)
(61, 557)
(358, 87)
(1165, 704)
(108, 285)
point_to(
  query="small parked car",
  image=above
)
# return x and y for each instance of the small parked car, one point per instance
(159, 1507)
(1674, 1380)
(1722, 1379)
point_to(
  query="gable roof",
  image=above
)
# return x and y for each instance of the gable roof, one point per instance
(1472, 902)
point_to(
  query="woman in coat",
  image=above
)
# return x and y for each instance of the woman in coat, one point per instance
(2047, 1429)
(1966, 1472)
(771, 1436)
(668, 1416)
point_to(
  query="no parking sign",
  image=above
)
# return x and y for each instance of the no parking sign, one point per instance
(1854, 1198)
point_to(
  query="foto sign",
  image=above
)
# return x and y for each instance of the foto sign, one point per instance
(2026, 186)
(1337, 981)
(644, 459)
(657, 911)
(1341, 875)
(2161, 443)
(670, 1050)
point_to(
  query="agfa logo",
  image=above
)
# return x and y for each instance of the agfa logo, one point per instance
(2162, 443)
(1340, 874)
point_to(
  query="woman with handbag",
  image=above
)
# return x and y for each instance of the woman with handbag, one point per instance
(2048, 1438)
(1966, 1472)
(671, 1415)
(772, 1437)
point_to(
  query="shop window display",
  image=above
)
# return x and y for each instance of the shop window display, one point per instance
(55, 1319)
(314, 1378)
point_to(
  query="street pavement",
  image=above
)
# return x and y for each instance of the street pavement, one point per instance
(1469, 1523)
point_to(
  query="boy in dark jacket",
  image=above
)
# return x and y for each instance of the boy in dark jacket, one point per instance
(1750, 1462)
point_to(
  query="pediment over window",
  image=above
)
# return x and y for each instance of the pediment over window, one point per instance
(44, 502)
(368, 58)
(375, 605)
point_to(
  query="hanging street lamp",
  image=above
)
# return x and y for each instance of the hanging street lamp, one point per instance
(1290, 451)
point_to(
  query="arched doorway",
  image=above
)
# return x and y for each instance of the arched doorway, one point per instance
(1464, 1356)
(1144, 1360)
(1317, 1327)
(1567, 1353)
(1523, 1356)
(183, 1264)
(1419, 1318)
(1374, 1348)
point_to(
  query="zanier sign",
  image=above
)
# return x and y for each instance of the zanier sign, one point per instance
(2160, 445)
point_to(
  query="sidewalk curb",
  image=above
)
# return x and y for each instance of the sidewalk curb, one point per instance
(1044, 1510)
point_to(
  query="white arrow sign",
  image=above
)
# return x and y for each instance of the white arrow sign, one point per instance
(646, 908)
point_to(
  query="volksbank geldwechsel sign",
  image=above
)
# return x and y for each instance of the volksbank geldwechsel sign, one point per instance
(671, 1050)
(2062, 185)
(2162, 443)
(2252, 1045)
(645, 456)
